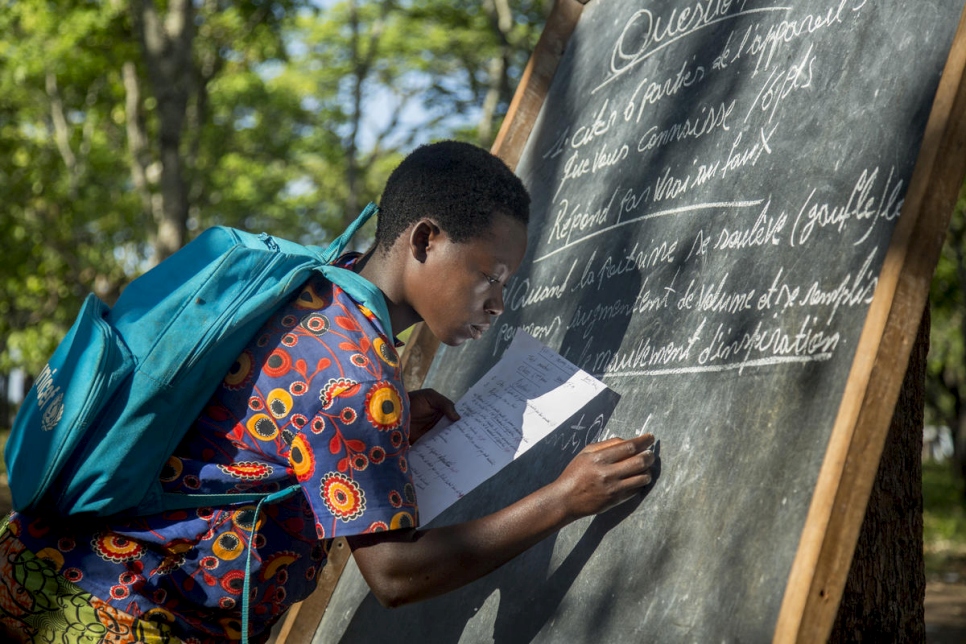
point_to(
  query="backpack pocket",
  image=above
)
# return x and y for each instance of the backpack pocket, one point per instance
(80, 378)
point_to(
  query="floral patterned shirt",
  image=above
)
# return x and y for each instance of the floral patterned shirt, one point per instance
(315, 399)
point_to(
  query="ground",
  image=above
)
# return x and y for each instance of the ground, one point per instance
(945, 612)
(945, 592)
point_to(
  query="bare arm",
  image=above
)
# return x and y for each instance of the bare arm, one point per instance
(403, 566)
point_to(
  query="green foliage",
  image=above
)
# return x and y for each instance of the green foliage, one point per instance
(296, 115)
(946, 380)
(944, 518)
(61, 170)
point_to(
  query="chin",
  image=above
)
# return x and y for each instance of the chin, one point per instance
(454, 342)
(452, 338)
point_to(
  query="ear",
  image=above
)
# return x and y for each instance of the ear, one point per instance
(424, 234)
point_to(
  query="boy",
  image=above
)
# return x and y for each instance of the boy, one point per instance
(317, 398)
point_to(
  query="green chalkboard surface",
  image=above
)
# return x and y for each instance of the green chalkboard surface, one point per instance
(716, 187)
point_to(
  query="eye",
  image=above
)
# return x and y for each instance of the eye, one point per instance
(492, 280)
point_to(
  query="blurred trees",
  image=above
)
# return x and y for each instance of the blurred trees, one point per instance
(386, 75)
(127, 125)
(946, 375)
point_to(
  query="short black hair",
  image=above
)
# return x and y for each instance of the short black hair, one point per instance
(458, 184)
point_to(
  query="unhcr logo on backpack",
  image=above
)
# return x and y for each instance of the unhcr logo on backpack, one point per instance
(50, 399)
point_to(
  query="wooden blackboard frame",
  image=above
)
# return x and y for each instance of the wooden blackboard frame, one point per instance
(828, 540)
(827, 543)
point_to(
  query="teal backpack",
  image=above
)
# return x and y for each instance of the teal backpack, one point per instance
(126, 383)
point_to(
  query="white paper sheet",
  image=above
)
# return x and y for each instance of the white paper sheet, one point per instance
(525, 396)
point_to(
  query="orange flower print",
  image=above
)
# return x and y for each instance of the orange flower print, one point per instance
(308, 299)
(342, 496)
(278, 363)
(262, 427)
(279, 403)
(115, 548)
(245, 518)
(337, 387)
(276, 564)
(240, 373)
(233, 581)
(52, 556)
(172, 469)
(386, 352)
(228, 546)
(302, 458)
(384, 406)
(316, 323)
(402, 520)
(247, 470)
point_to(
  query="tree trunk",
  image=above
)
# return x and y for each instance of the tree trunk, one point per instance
(955, 241)
(6, 418)
(360, 71)
(501, 22)
(166, 45)
(363, 57)
(886, 586)
(959, 440)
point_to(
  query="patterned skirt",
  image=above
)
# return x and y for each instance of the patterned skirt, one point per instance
(38, 605)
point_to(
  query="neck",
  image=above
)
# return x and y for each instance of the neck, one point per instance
(377, 267)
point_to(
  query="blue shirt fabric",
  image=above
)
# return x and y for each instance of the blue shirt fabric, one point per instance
(316, 398)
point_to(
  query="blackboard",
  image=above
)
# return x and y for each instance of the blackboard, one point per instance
(737, 207)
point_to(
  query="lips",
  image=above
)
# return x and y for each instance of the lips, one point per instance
(477, 330)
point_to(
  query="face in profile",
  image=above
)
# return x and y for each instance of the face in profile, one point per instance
(464, 290)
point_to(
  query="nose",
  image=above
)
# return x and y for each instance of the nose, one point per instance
(495, 305)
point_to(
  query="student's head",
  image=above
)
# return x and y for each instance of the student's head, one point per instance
(458, 185)
(455, 217)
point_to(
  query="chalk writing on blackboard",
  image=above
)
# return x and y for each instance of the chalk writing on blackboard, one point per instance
(715, 189)
(712, 224)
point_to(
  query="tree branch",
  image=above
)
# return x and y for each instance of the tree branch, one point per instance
(501, 22)
(137, 139)
(362, 65)
(167, 52)
(61, 131)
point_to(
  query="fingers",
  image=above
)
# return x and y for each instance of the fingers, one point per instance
(628, 460)
(619, 449)
(443, 405)
(449, 409)
(637, 481)
(634, 472)
(440, 404)
(608, 472)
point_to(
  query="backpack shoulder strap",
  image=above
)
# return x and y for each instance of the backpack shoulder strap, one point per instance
(334, 250)
(356, 286)
(359, 288)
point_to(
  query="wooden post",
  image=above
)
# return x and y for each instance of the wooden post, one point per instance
(818, 574)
